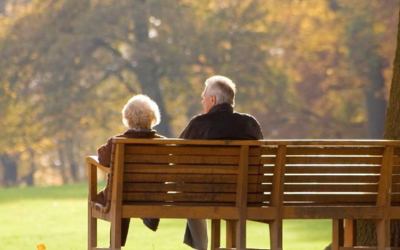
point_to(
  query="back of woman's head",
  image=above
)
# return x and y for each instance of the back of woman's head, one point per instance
(140, 112)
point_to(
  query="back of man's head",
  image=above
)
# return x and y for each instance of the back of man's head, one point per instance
(223, 88)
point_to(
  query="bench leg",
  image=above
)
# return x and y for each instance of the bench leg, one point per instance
(115, 241)
(230, 234)
(92, 230)
(215, 234)
(383, 234)
(349, 227)
(275, 232)
(337, 226)
(241, 235)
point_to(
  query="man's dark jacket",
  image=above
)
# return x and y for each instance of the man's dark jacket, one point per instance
(222, 123)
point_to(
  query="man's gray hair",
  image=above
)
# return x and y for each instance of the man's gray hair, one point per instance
(222, 88)
(140, 112)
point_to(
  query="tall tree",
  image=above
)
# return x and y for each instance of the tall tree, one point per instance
(366, 233)
(366, 229)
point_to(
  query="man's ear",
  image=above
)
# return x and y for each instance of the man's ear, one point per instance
(214, 99)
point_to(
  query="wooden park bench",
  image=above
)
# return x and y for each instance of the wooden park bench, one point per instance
(267, 181)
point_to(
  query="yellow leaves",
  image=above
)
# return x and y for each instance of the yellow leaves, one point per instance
(202, 58)
(41, 246)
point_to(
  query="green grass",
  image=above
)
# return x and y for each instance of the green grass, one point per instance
(57, 217)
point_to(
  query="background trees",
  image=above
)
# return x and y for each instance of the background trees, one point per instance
(305, 69)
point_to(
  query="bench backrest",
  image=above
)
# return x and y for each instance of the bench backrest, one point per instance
(258, 173)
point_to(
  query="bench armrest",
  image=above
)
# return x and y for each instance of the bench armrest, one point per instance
(95, 161)
(93, 164)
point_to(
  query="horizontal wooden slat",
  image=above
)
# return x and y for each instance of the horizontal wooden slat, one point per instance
(180, 197)
(182, 159)
(333, 169)
(338, 150)
(184, 211)
(261, 213)
(330, 188)
(182, 187)
(332, 212)
(181, 150)
(198, 178)
(396, 178)
(396, 188)
(396, 169)
(266, 150)
(193, 168)
(394, 212)
(333, 160)
(192, 187)
(395, 197)
(181, 169)
(100, 215)
(258, 198)
(201, 198)
(331, 178)
(268, 142)
(330, 198)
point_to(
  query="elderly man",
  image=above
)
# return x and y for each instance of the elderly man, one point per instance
(219, 122)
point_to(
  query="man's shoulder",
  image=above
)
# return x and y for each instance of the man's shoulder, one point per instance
(200, 117)
(245, 116)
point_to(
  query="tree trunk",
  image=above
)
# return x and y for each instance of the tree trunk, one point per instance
(10, 173)
(147, 69)
(392, 125)
(375, 99)
(366, 229)
(392, 122)
(3, 6)
(73, 166)
(63, 170)
(29, 177)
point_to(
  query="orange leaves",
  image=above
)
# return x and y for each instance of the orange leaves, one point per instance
(41, 246)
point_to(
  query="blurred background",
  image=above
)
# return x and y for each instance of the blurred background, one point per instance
(305, 69)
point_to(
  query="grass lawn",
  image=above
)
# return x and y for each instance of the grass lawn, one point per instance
(57, 217)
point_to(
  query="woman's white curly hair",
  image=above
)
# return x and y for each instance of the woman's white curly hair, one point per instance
(140, 112)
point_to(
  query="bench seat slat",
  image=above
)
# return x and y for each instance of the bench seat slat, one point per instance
(303, 169)
(331, 179)
(181, 150)
(332, 150)
(332, 212)
(340, 160)
(184, 159)
(181, 168)
(198, 178)
(331, 188)
(192, 187)
(330, 198)
(194, 178)
(183, 211)
(190, 197)
(194, 168)
(180, 197)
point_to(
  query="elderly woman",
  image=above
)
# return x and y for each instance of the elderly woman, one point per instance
(139, 115)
